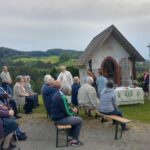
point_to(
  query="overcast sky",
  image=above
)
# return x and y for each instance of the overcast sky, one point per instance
(71, 24)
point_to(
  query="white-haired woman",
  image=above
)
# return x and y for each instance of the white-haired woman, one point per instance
(47, 91)
(21, 97)
(87, 96)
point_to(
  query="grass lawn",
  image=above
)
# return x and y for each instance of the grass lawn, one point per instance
(52, 59)
(137, 112)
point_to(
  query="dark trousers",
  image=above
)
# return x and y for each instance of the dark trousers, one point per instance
(29, 104)
(75, 122)
(117, 113)
(35, 96)
(7, 87)
(9, 125)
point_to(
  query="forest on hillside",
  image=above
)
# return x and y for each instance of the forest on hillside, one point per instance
(39, 63)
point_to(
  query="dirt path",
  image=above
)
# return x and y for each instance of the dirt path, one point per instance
(94, 134)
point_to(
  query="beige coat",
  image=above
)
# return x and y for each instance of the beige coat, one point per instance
(19, 94)
(87, 96)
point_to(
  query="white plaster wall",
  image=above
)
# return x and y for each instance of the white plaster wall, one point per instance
(110, 48)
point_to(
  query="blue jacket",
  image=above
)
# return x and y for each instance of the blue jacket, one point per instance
(59, 107)
(74, 93)
(47, 93)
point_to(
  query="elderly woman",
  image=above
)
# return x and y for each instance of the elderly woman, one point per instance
(21, 97)
(74, 91)
(87, 95)
(28, 89)
(47, 91)
(62, 115)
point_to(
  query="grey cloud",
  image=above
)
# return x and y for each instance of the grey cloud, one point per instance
(42, 24)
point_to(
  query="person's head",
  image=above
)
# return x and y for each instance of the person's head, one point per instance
(48, 79)
(135, 83)
(89, 80)
(110, 84)
(5, 68)
(66, 89)
(20, 79)
(76, 80)
(62, 68)
(57, 84)
(100, 71)
(89, 73)
(28, 78)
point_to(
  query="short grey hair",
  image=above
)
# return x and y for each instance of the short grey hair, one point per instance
(18, 78)
(76, 79)
(47, 78)
(89, 80)
(66, 89)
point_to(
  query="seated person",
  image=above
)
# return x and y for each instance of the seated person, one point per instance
(21, 97)
(6, 99)
(87, 95)
(74, 91)
(47, 91)
(108, 104)
(62, 115)
(28, 89)
(7, 127)
(8, 106)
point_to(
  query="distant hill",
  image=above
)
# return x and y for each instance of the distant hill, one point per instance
(8, 52)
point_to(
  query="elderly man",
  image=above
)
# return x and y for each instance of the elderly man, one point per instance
(47, 91)
(87, 95)
(6, 80)
(65, 77)
(62, 115)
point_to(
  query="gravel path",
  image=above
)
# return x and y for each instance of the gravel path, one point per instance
(95, 135)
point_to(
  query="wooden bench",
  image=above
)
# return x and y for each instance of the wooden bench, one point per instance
(62, 129)
(119, 121)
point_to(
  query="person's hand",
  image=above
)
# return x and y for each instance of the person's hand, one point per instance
(11, 113)
(5, 107)
(27, 94)
(5, 96)
(75, 110)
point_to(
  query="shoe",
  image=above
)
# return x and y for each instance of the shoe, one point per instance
(76, 143)
(9, 148)
(22, 137)
(12, 145)
(125, 129)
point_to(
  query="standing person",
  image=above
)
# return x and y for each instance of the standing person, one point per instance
(146, 83)
(62, 115)
(91, 74)
(108, 103)
(74, 91)
(65, 77)
(101, 82)
(6, 80)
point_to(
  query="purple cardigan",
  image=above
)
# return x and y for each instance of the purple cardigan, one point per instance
(3, 114)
